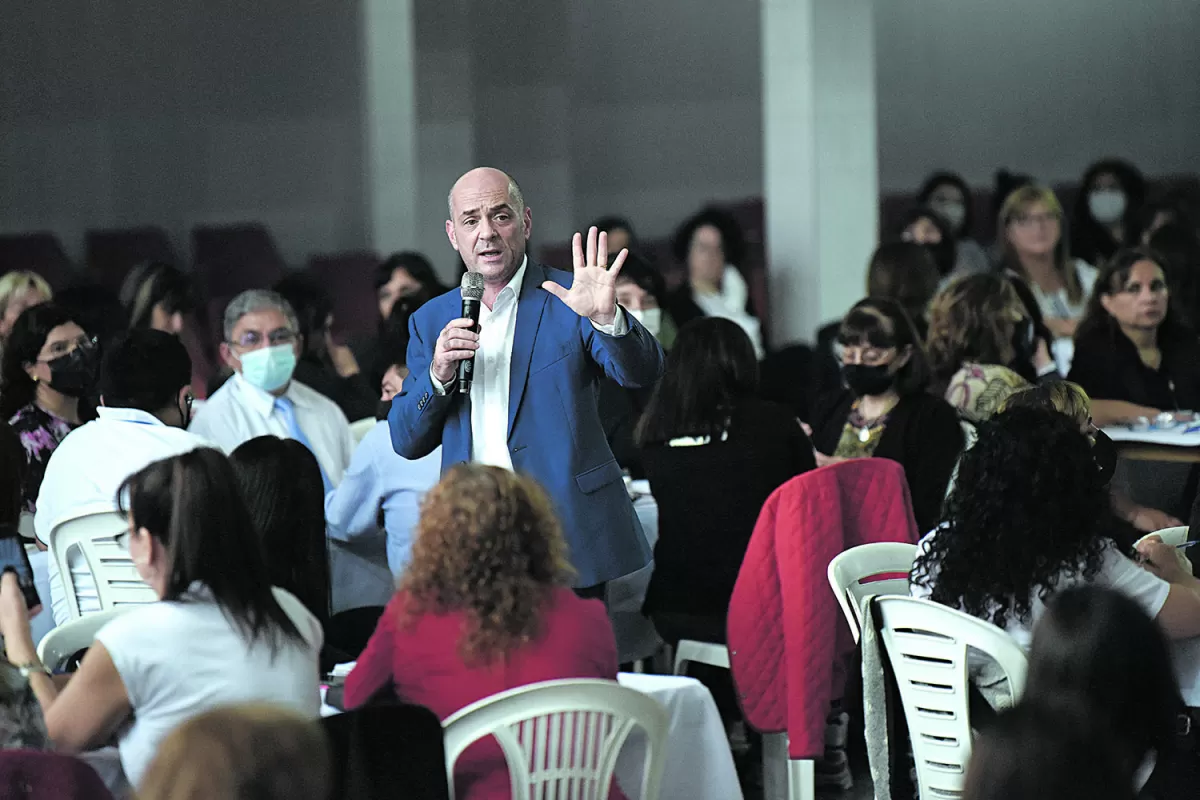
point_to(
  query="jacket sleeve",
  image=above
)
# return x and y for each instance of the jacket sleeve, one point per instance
(418, 413)
(634, 360)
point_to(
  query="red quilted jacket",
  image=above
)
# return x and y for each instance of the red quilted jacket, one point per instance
(785, 628)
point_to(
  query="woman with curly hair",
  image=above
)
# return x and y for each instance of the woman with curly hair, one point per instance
(1020, 527)
(484, 606)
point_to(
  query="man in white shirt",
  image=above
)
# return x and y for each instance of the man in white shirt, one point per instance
(262, 344)
(146, 396)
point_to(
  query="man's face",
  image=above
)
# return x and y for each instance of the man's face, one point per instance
(256, 330)
(487, 228)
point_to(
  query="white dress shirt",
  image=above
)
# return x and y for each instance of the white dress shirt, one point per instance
(239, 412)
(493, 372)
(86, 470)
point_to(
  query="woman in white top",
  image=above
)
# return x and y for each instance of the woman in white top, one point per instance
(1029, 517)
(1031, 228)
(219, 635)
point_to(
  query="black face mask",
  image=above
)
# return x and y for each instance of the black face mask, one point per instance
(866, 380)
(1024, 342)
(383, 409)
(1104, 452)
(72, 374)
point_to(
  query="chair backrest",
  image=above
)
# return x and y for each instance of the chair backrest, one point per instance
(850, 570)
(360, 428)
(562, 738)
(64, 641)
(927, 645)
(92, 532)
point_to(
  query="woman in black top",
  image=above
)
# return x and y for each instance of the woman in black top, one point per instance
(1131, 354)
(713, 453)
(886, 410)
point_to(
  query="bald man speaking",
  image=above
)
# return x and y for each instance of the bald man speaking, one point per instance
(545, 338)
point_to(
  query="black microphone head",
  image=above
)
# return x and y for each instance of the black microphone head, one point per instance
(472, 286)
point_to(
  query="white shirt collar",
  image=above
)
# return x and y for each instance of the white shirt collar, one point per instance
(259, 400)
(134, 415)
(513, 289)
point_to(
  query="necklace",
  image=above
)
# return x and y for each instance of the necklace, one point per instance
(866, 428)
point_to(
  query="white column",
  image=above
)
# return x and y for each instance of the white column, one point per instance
(390, 123)
(821, 184)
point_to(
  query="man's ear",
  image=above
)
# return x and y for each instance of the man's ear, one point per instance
(450, 235)
(229, 358)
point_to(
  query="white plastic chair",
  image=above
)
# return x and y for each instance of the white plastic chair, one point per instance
(66, 640)
(848, 573)
(562, 738)
(361, 428)
(927, 645)
(25, 525)
(92, 532)
(690, 651)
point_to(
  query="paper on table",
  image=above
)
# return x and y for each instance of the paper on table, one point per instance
(1172, 437)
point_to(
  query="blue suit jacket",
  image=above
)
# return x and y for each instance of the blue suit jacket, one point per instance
(554, 430)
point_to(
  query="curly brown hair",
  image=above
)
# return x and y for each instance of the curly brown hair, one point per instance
(489, 545)
(972, 320)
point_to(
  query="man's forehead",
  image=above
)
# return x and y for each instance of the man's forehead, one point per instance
(482, 199)
(262, 319)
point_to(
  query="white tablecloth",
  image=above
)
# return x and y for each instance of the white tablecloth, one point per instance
(636, 637)
(699, 765)
(1173, 437)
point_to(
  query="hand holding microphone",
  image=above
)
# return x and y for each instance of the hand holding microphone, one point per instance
(454, 354)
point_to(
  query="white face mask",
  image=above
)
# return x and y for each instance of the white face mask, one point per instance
(954, 212)
(1107, 205)
(651, 319)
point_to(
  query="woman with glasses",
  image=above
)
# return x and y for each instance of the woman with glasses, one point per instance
(1034, 248)
(49, 363)
(1132, 356)
(886, 410)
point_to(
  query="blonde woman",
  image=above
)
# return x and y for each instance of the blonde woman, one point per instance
(19, 291)
(1034, 248)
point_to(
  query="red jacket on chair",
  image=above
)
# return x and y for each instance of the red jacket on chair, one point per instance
(785, 628)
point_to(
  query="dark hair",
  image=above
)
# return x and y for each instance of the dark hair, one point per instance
(947, 178)
(905, 272)
(154, 283)
(414, 264)
(27, 339)
(1110, 280)
(1099, 647)
(1047, 752)
(12, 475)
(1005, 183)
(1179, 248)
(710, 370)
(312, 306)
(944, 252)
(611, 223)
(733, 241)
(191, 504)
(644, 274)
(144, 369)
(281, 484)
(1085, 228)
(883, 322)
(1171, 204)
(1017, 523)
(94, 308)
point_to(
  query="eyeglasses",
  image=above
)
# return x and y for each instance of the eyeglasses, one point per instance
(252, 339)
(68, 346)
(1030, 220)
(870, 356)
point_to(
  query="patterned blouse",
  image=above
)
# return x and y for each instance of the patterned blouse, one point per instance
(39, 432)
(977, 390)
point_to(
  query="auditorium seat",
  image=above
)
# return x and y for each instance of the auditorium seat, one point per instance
(232, 258)
(40, 252)
(112, 253)
(347, 277)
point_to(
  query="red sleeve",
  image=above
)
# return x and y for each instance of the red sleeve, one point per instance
(373, 670)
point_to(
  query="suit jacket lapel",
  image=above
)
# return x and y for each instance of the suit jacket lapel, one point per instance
(530, 306)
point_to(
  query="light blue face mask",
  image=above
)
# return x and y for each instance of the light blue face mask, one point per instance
(269, 368)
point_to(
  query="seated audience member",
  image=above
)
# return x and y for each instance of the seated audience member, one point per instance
(1034, 249)
(483, 607)
(1097, 648)
(1030, 517)
(324, 365)
(1032, 752)
(948, 194)
(380, 483)
(406, 278)
(280, 484)
(1161, 212)
(145, 405)
(160, 297)
(711, 245)
(262, 345)
(904, 271)
(979, 337)
(220, 634)
(1105, 217)
(620, 232)
(885, 410)
(1132, 356)
(1071, 401)
(243, 752)
(19, 291)
(49, 362)
(713, 453)
(1178, 247)
(924, 226)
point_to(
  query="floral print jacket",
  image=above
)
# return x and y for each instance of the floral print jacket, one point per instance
(39, 432)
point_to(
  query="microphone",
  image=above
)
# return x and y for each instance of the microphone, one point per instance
(472, 296)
